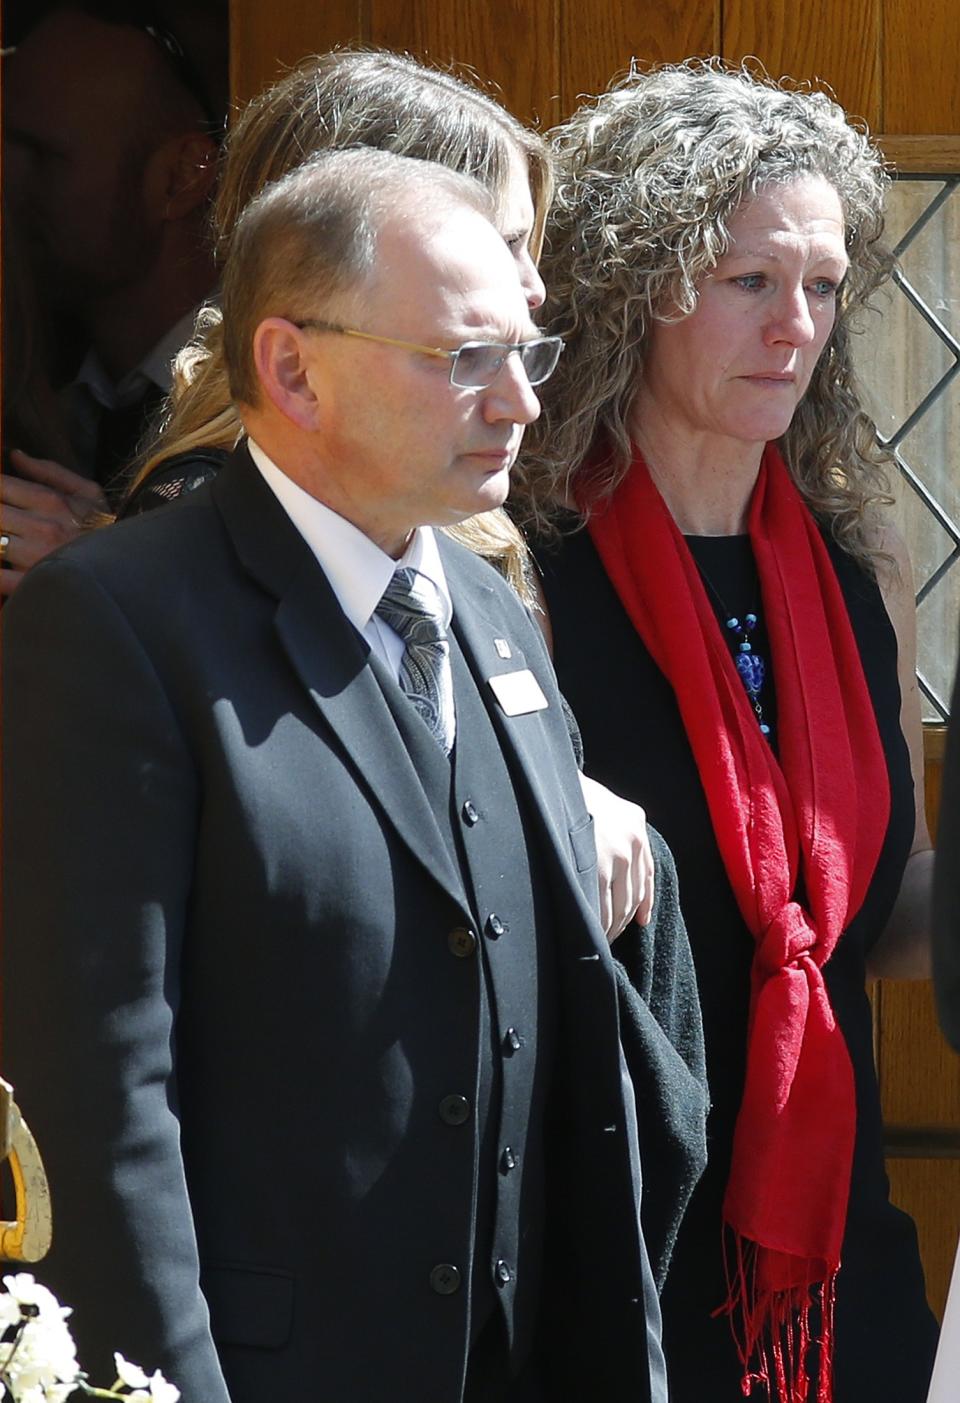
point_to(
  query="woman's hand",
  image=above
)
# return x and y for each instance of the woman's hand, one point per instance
(624, 858)
(41, 508)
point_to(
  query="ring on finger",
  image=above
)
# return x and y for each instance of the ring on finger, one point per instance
(4, 546)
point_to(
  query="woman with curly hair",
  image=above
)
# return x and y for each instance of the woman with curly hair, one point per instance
(713, 240)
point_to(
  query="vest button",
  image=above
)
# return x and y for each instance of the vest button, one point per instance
(502, 1274)
(445, 1279)
(470, 814)
(512, 1042)
(508, 1159)
(454, 1110)
(462, 942)
(495, 927)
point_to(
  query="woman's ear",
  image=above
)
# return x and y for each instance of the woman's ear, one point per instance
(281, 355)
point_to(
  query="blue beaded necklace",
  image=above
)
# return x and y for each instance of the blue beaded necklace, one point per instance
(749, 664)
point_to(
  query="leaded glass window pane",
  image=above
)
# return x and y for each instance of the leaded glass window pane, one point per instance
(908, 358)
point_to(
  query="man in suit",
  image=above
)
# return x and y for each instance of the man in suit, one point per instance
(306, 998)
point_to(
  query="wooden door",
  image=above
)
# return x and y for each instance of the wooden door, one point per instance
(543, 55)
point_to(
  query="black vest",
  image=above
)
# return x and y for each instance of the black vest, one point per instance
(495, 851)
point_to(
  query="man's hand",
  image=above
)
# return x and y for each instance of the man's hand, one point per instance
(42, 508)
(624, 858)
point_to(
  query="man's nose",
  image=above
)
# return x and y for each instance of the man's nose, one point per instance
(511, 396)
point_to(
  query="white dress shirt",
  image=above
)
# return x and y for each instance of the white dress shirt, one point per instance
(358, 570)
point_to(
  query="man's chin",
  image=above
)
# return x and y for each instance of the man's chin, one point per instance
(493, 493)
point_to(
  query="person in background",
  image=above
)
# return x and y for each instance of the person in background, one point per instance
(734, 629)
(110, 179)
(329, 1081)
(32, 415)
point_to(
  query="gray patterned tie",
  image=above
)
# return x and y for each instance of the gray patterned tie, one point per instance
(412, 606)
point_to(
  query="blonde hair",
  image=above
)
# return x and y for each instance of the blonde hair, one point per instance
(341, 99)
(648, 177)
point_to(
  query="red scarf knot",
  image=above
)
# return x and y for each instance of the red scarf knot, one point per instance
(788, 938)
(775, 817)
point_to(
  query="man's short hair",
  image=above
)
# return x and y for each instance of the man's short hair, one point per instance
(311, 237)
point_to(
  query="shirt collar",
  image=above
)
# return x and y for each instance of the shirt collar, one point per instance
(358, 570)
(156, 369)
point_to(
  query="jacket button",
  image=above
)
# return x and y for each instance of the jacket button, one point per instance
(502, 1274)
(462, 942)
(445, 1279)
(495, 927)
(454, 1110)
(470, 814)
(512, 1042)
(508, 1159)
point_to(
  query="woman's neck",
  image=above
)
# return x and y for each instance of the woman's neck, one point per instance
(706, 480)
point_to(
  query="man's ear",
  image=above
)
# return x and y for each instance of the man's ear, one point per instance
(281, 358)
(181, 174)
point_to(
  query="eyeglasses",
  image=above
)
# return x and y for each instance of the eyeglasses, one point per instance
(475, 364)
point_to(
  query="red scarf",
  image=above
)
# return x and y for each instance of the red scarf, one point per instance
(821, 810)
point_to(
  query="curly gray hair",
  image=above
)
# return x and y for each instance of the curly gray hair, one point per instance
(648, 177)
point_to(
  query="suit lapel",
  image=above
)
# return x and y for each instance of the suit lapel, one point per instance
(478, 621)
(331, 661)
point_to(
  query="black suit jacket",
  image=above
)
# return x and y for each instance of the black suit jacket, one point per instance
(946, 884)
(230, 1006)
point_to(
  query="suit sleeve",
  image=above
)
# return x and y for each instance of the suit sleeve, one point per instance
(946, 885)
(100, 810)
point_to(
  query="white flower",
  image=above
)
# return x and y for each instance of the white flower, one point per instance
(154, 1389)
(130, 1374)
(28, 1292)
(9, 1312)
(40, 1365)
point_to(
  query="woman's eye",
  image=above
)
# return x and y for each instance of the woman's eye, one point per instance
(823, 287)
(751, 282)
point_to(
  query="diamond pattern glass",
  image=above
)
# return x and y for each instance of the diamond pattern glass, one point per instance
(908, 360)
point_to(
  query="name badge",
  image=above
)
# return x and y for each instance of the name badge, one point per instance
(518, 692)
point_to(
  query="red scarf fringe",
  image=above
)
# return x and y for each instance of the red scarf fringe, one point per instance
(771, 1326)
(820, 809)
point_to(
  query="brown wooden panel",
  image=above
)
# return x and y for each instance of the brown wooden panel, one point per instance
(922, 155)
(598, 40)
(934, 746)
(919, 1074)
(929, 1190)
(921, 76)
(266, 38)
(818, 39)
(510, 43)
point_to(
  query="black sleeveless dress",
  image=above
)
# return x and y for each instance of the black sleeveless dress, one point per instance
(635, 743)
